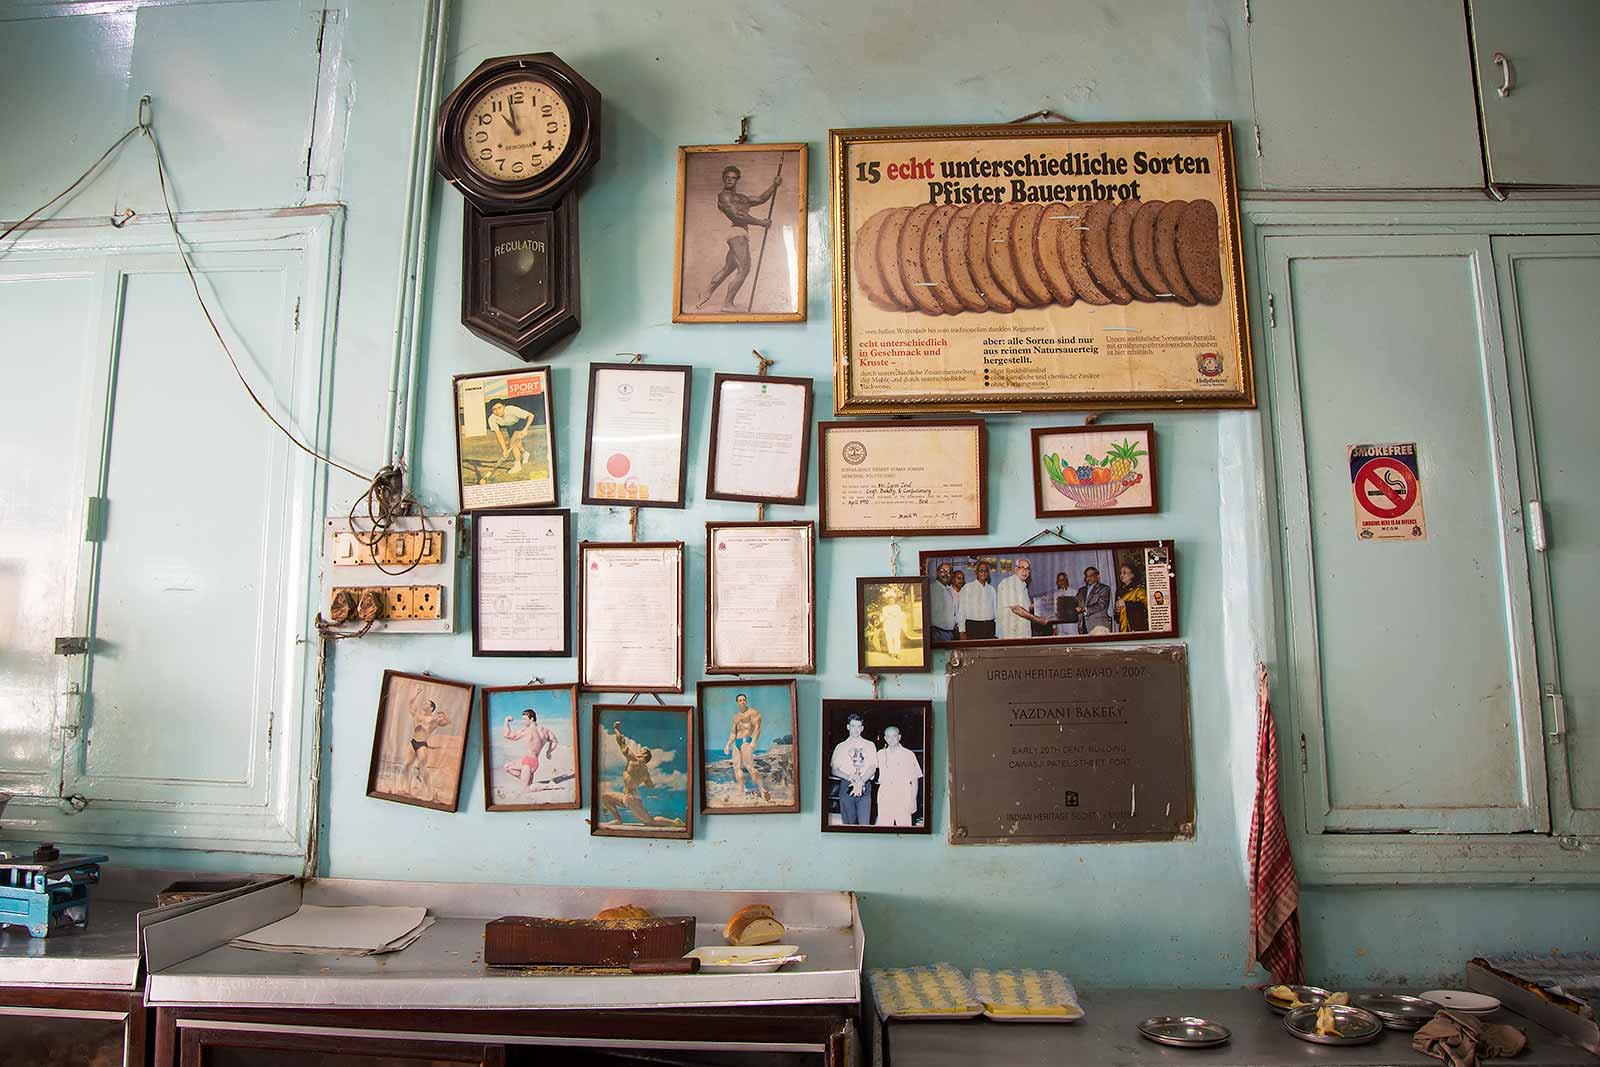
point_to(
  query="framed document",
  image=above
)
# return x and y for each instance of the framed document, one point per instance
(505, 440)
(637, 443)
(1094, 470)
(760, 597)
(876, 755)
(642, 764)
(892, 625)
(530, 748)
(741, 234)
(520, 566)
(1051, 594)
(760, 439)
(883, 478)
(419, 741)
(630, 617)
(749, 747)
(1073, 265)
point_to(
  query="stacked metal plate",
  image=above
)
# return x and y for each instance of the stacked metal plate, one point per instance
(1396, 1011)
(1184, 1031)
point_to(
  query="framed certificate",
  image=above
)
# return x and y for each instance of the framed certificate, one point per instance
(883, 478)
(630, 617)
(520, 566)
(505, 440)
(760, 597)
(637, 444)
(760, 439)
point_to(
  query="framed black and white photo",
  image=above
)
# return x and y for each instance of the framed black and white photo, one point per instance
(521, 561)
(891, 625)
(761, 597)
(636, 445)
(741, 241)
(630, 617)
(760, 439)
(505, 440)
(876, 757)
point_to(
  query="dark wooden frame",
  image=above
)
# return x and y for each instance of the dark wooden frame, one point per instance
(583, 644)
(862, 584)
(530, 333)
(484, 692)
(810, 666)
(597, 737)
(826, 759)
(550, 431)
(683, 435)
(805, 439)
(1149, 431)
(136, 1026)
(824, 428)
(1063, 639)
(478, 518)
(794, 728)
(377, 737)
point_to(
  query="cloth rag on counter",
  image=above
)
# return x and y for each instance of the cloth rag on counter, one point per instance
(1463, 1040)
(1274, 888)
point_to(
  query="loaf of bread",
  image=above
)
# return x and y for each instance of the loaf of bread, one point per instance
(624, 911)
(753, 924)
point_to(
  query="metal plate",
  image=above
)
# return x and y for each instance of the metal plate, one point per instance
(1309, 994)
(1184, 1031)
(1396, 1010)
(1356, 1026)
(1461, 1000)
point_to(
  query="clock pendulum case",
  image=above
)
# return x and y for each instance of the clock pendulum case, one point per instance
(516, 138)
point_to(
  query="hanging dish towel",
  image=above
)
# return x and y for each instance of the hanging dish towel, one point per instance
(1274, 889)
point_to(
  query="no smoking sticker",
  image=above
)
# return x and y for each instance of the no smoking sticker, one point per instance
(1388, 492)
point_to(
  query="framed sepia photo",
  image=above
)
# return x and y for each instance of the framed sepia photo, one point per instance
(749, 747)
(760, 439)
(521, 567)
(419, 741)
(1094, 470)
(1051, 594)
(642, 762)
(741, 240)
(892, 625)
(505, 440)
(630, 617)
(892, 478)
(530, 748)
(1062, 265)
(761, 593)
(876, 758)
(636, 445)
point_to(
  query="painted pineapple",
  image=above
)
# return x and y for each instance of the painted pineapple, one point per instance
(1123, 458)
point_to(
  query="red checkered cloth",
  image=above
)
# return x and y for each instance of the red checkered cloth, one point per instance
(1274, 889)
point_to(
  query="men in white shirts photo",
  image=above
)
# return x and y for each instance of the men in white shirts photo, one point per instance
(975, 608)
(944, 603)
(854, 762)
(898, 774)
(1014, 605)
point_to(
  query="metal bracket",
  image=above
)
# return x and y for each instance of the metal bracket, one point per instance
(1536, 527)
(1558, 713)
(72, 646)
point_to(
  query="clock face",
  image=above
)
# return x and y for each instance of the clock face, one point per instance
(516, 130)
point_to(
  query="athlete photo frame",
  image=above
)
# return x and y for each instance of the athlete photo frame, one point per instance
(531, 760)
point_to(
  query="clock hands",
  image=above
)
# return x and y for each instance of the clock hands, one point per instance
(511, 119)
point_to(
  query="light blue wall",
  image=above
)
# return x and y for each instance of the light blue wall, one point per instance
(682, 73)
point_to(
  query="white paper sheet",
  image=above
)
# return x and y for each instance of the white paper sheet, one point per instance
(358, 929)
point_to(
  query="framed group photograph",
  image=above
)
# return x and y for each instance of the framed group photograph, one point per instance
(1061, 594)
(892, 625)
(641, 761)
(761, 593)
(749, 747)
(636, 444)
(630, 617)
(876, 759)
(741, 239)
(419, 741)
(521, 562)
(505, 440)
(760, 439)
(530, 748)
(1094, 470)
(1059, 265)
(891, 478)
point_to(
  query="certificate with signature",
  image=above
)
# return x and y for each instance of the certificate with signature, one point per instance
(885, 478)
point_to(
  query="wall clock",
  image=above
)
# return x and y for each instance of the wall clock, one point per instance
(516, 137)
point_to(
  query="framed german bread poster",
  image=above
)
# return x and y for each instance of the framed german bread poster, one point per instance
(1042, 267)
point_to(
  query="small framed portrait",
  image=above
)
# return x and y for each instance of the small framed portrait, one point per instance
(1094, 470)
(642, 759)
(876, 755)
(521, 567)
(530, 748)
(892, 625)
(760, 439)
(749, 747)
(419, 742)
(741, 254)
(505, 440)
(636, 446)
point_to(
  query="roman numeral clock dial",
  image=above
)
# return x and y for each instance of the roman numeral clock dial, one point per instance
(516, 138)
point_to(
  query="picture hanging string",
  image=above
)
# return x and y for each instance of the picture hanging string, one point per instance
(1049, 531)
(875, 680)
(633, 512)
(744, 130)
(635, 698)
(894, 556)
(1042, 113)
(762, 364)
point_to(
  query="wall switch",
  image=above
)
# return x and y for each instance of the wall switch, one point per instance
(407, 576)
(396, 548)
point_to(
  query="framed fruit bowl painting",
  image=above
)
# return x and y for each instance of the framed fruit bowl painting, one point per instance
(1094, 470)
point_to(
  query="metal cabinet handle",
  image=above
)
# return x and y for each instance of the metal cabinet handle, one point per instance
(1508, 77)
